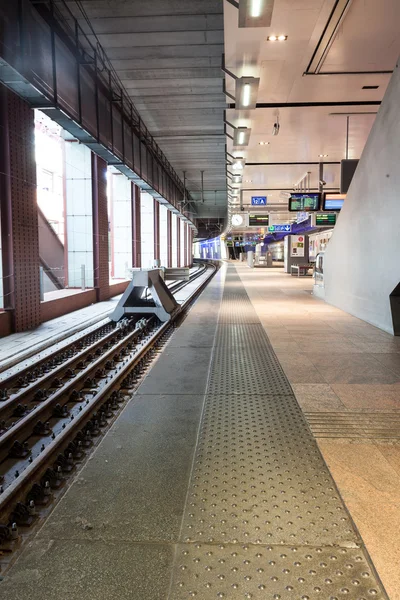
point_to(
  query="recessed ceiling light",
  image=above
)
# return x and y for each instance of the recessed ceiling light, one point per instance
(248, 181)
(322, 155)
(277, 38)
(263, 143)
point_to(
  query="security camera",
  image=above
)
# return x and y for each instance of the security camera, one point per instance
(322, 182)
(242, 208)
(275, 128)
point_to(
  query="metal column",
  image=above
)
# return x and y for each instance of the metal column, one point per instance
(19, 212)
(185, 244)
(169, 238)
(178, 242)
(100, 228)
(156, 216)
(136, 229)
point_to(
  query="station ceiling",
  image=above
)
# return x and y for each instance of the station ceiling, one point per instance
(168, 54)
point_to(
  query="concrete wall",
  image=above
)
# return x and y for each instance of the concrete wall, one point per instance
(362, 261)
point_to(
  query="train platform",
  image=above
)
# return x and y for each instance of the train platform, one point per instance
(259, 458)
(21, 346)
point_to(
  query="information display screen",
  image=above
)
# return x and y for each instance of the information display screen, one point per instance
(258, 220)
(304, 202)
(333, 201)
(325, 220)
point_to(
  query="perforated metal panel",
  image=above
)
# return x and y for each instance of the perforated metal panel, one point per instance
(100, 227)
(25, 287)
(263, 517)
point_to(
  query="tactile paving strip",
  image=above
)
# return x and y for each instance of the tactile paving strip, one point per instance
(246, 571)
(237, 309)
(263, 517)
(258, 477)
(246, 371)
(239, 335)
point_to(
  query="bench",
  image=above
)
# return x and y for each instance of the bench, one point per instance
(302, 270)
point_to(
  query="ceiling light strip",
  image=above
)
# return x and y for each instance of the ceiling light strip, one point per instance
(328, 36)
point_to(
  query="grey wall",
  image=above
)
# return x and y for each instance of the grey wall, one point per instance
(362, 261)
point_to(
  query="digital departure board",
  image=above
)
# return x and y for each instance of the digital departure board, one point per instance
(304, 202)
(325, 220)
(258, 220)
(333, 201)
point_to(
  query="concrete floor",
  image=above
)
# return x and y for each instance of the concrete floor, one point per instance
(338, 364)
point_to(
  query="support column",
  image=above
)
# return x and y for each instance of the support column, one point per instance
(185, 245)
(156, 230)
(169, 238)
(136, 229)
(19, 214)
(100, 228)
(190, 253)
(178, 241)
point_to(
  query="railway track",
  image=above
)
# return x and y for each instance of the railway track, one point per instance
(54, 411)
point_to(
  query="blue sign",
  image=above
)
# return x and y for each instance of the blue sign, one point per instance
(259, 200)
(280, 228)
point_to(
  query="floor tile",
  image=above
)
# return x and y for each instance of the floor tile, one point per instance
(101, 570)
(370, 487)
(299, 369)
(197, 336)
(351, 368)
(176, 370)
(315, 397)
(368, 396)
(391, 451)
(146, 457)
(389, 360)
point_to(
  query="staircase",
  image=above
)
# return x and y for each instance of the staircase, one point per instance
(51, 252)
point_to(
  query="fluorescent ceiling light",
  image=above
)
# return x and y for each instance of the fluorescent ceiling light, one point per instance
(241, 136)
(255, 13)
(246, 92)
(255, 10)
(246, 95)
